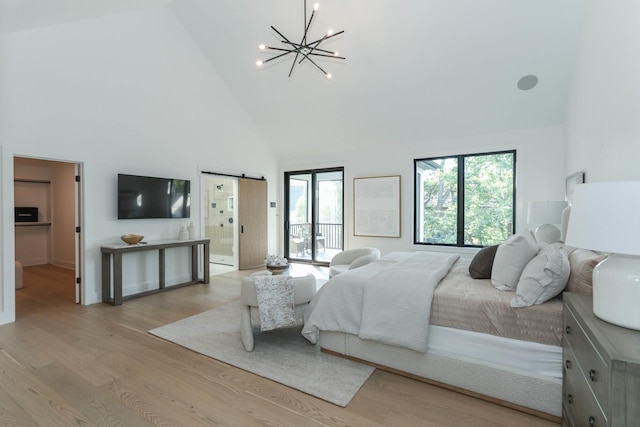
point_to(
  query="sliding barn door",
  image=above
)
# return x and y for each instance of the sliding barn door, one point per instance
(252, 219)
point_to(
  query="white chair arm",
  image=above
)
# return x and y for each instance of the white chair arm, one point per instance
(363, 260)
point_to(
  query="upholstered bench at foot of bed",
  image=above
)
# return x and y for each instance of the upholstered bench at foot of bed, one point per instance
(304, 289)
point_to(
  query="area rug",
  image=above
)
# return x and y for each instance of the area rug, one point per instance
(283, 355)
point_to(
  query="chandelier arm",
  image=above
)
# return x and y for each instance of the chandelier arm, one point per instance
(280, 34)
(297, 47)
(281, 49)
(329, 52)
(314, 63)
(326, 37)
(278, 56)
(326, 55)
(293, 63)
(306, 30)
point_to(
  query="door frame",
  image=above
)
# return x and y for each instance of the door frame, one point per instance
(314, 210)
(78, 208)
(204, 178)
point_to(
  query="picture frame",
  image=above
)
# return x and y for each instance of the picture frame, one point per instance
(570, 184)
(376, 206)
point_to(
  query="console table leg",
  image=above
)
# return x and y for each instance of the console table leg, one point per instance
(117, 279)
(161, 275)
(106, 278)
(194, 262)
(205, 262)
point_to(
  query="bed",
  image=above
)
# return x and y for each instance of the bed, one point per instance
(470, 339)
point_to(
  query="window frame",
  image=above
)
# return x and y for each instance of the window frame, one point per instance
(460, 199)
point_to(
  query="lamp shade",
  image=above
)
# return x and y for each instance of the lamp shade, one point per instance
(548, 212)
(605, 216)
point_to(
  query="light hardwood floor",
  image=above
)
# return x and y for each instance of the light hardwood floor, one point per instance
(63, 364)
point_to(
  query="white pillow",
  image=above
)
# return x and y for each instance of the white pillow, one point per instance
(543, 278)
(511, 258)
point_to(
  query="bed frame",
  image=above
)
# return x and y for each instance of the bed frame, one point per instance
(534, 394)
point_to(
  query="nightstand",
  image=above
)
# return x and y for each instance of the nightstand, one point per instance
(601, 385)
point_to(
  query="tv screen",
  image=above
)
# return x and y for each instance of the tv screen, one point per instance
(148, 197)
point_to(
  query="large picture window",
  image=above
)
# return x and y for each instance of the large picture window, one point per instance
(465, 200)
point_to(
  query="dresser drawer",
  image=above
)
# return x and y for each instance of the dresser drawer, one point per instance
(593, 367)
(582, 408)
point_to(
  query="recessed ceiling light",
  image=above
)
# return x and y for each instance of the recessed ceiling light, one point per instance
(527, 82)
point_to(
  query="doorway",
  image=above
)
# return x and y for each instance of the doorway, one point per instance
(314, 215)
(48, 244)
(221, 218)
(235, 220)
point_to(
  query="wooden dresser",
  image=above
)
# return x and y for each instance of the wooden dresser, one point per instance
(601, 384)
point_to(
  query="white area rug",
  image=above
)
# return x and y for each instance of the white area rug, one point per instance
(282, 355)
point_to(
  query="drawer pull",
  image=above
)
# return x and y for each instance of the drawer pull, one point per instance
(567, 364)
(592, 374)
(568, 330)
(569, 398)
(592, 421)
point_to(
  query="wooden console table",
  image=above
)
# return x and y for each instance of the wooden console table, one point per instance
(117, 250)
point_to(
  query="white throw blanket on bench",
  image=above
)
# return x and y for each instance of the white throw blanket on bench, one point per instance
(387, 301)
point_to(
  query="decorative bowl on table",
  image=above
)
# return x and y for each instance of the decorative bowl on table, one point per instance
(276, 264)
(132, 239)
(277, 269)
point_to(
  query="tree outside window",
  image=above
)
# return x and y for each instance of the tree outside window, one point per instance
(465, 200)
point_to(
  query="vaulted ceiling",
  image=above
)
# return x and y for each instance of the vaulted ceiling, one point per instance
(416, 70)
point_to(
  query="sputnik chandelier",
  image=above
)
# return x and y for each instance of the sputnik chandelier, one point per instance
(304, 50)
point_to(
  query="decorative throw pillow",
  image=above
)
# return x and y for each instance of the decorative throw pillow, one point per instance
(511, 258)
(544, 277)
(482, 263)
(582, 262)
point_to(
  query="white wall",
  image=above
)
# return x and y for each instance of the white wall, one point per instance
(540, 172)
(126, 93)
(603, 120)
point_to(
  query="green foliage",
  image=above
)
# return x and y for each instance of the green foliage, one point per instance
(488, 200)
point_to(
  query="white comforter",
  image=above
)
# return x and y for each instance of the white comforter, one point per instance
(388, 301)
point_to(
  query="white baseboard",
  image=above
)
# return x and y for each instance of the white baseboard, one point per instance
(64, 264)
(33, 261)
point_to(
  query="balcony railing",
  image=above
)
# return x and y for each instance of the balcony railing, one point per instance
(331, 233)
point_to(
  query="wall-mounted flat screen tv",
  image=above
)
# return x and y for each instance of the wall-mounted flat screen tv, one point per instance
(148, 197)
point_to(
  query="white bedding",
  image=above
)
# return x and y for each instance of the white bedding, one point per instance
(388, 301)
(532, 357)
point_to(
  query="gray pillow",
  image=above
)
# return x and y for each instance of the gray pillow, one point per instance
(511, 258)
(482, 263)
(544, 277)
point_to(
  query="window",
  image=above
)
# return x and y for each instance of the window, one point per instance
(465, 200)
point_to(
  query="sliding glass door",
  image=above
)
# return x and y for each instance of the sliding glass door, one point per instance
(314, 217)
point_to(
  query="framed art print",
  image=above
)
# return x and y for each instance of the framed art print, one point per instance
(376, 206)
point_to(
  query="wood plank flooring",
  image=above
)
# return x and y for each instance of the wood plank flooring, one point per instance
(63, 364)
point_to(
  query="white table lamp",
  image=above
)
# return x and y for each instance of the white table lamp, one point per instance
(605, 217)
(544, 215)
